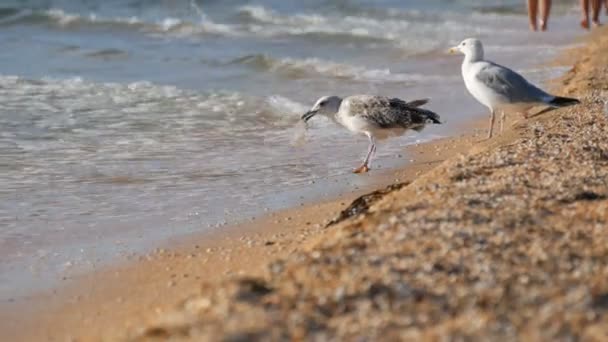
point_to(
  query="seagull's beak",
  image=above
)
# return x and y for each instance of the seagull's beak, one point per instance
(309, 115)
(453, 50)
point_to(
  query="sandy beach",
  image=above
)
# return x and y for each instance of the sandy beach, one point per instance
(500, 240)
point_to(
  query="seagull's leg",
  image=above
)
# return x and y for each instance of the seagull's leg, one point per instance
(372, 149)
(492, 118)
(502, 121)
(373, 142)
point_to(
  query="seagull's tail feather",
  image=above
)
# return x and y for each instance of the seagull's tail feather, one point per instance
(431, 117)
(559, 101)
(425, 116)
(418, 103)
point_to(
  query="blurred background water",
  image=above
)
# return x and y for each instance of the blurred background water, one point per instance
(125, 122)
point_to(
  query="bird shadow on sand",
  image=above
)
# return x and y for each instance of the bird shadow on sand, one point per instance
(362, 204)
(541, 112)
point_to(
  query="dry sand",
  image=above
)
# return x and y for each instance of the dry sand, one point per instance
(504, 242)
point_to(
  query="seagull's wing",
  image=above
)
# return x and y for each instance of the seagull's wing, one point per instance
(513, 87)
(417, 103)
(415, 116)
(390, 112)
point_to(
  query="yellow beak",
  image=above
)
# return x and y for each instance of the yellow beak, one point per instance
(453, 50)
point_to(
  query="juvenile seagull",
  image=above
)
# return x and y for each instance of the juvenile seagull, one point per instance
(500, 88)
(378, 117)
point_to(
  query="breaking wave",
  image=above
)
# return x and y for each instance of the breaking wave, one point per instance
(401, 28)
(66, 20)
(84, 107)
(300, 68)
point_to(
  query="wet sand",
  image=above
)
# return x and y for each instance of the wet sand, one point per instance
(500, 239)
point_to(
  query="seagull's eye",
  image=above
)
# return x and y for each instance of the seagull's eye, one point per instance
(323, 103)
(463, 43)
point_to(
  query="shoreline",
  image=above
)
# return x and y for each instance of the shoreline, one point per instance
(108, 303)
(164, 276)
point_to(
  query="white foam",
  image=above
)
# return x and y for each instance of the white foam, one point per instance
(168, 24)
(285, 105)
(62, 17)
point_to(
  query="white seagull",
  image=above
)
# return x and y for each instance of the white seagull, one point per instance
(500, 88)
(378, 117)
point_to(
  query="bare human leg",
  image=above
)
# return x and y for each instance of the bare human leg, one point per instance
(545, 9)
(532, 10)
(585, 13)
(596, 8)
(372, 149)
